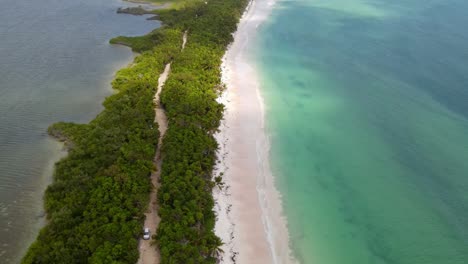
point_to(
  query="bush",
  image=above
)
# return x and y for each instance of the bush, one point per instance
(95, 206)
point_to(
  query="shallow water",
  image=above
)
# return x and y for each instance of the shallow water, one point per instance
(55, 65)
(367, 110)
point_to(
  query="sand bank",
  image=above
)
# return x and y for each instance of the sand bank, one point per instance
(250, 222)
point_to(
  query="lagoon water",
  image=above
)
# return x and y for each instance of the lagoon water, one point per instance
(55, 65)
(367, 112)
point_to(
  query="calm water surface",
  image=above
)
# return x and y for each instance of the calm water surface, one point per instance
(55, 65)
(367, 108)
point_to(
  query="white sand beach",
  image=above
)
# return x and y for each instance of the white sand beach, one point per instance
(248, 208)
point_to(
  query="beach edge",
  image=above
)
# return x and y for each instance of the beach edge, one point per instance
(250, 219)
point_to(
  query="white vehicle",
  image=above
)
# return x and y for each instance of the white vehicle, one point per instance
(146, 234)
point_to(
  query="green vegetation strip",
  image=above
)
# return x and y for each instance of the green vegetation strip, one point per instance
(95, 206)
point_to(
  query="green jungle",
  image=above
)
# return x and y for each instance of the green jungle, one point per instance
(100, 191)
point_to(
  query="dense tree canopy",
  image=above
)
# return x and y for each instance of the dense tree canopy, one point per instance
(95, 206)
(186, 232)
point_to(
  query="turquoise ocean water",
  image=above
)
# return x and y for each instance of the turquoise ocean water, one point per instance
(367, 110)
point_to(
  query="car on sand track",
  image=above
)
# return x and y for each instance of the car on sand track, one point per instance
(146, 234)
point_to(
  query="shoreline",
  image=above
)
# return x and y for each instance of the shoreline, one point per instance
(58, 151)
(249, 209)
(65, 152)
(146, 2)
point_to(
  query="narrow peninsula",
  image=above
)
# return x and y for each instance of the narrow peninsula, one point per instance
(100, 193)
